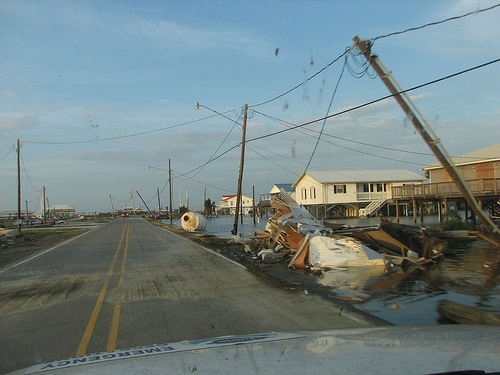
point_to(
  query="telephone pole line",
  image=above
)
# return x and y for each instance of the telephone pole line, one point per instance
(170, 191)
(240, 177)
(18, 186)
(422, 127)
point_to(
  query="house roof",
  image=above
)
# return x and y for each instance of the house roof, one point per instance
(380, 175)
(487, 154)
(62, 207)
(227, 197)
(286, 187)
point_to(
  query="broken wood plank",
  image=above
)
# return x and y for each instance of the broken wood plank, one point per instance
(293, 238)
(298, 261)
(464, 314)
(488, 239)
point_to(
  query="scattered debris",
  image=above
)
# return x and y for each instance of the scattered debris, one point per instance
(294, 234)
(464, 314)
(192, 221)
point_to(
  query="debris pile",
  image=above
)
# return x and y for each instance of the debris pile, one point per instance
(294, 235)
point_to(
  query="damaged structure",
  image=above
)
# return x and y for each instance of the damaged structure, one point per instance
(308, 243)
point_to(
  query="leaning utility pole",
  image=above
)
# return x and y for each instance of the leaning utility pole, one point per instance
(240, 177)
(421, 125)
(18, 186)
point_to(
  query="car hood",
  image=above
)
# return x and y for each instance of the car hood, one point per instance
(384, 350)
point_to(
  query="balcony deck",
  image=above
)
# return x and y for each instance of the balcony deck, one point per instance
(487, 188)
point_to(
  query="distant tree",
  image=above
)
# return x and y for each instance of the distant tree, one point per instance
(183, 210)
(209, 206)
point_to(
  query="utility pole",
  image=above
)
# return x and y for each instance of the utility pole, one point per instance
(421, 125)
(132, 199)
(240, 177)
(144, 203)
(27, 213)
(18, 186)
(253, 203)
(170, 190)
(42, 206)
(112, 207)
(159, 203)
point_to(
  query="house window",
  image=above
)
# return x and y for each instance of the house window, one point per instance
(380, 188)
(303, 193)
(339, 189)
(313, 193)
(366, 188)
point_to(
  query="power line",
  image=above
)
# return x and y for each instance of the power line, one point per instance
(327, 111)
(376, 100)
(271, 161)
(304, 82)
(286, 123)
(122, 136)
(8, 153)
(352, 149)
(294, 127)
(436, 23)
(218, 148)
(27, 175)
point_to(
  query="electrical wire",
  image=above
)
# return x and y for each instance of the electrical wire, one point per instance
(202, 183)
(5, 192)
(377, 100)
(354, 150)
(303, 82)
(218, 148)
(303, 163)
(327, 112)
(122, 136)
(8, 153)
(436, 23)
(27, 175)
(286, 123)
(271, 161)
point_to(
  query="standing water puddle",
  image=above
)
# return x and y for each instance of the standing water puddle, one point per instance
(405, 296)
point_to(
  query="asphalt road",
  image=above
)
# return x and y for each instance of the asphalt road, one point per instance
(130, 283)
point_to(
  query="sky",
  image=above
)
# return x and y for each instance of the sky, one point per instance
(102, 94)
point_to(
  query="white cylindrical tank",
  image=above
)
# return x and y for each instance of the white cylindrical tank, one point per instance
(192, 221)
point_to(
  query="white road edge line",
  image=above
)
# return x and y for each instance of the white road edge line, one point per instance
(45, 251)
(209, 250)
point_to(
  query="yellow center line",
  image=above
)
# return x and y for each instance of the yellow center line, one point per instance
(115, 322)
(84, 343)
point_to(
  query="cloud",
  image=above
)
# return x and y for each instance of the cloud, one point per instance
(11, 123)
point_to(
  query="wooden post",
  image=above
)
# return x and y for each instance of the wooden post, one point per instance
(240, 177)
(170, 191)
(414, 202)
(440, 211)
(18, 187)
(423, 129)
(397, 211)
(253, 203)
(446, 208)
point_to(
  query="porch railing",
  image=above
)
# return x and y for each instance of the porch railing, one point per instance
(479, 187)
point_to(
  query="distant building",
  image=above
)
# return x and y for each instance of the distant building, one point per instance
(227, 205)
(278, 187)
(328, 194)
(62, 210)
(476, 165)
